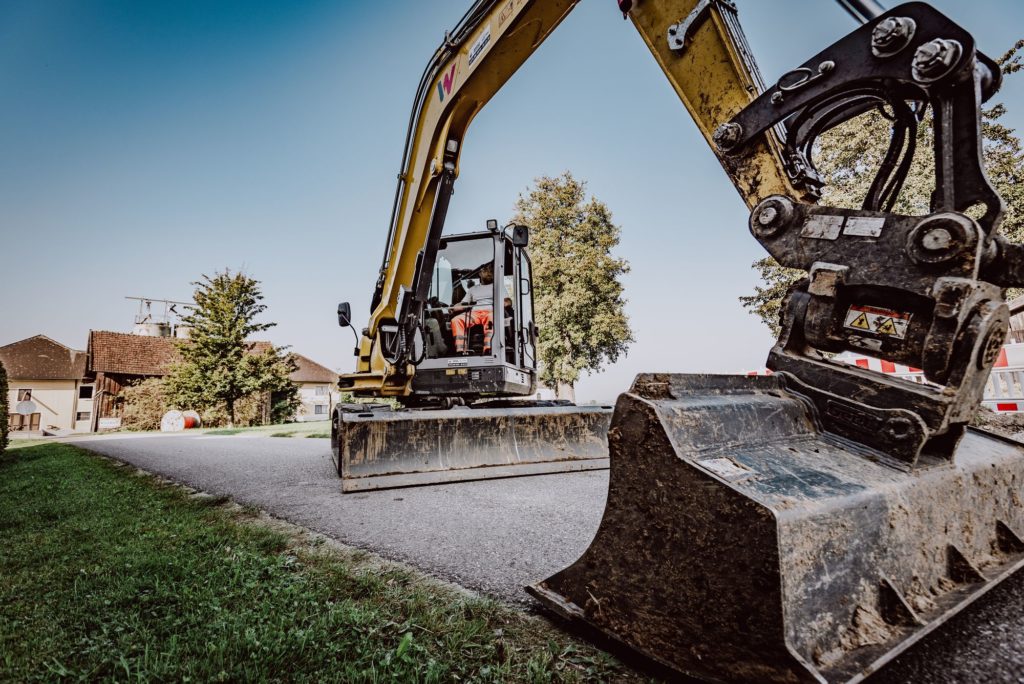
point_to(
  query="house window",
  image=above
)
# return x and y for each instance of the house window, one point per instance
(85, 392)
(24, 395)
(320, 410)
(321, 391)
(83, 415)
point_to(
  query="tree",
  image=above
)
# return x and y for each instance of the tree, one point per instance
(4, 408)
(848, 156)
(220, 365)
(577, 290)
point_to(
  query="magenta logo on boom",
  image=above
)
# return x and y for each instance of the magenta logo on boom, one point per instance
(447, 83)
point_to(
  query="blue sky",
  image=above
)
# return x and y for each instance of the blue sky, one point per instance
(146, 143)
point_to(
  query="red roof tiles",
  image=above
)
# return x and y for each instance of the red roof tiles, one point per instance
(40, 358)
(121, 353)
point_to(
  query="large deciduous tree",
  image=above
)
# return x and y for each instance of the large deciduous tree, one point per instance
(577, 281)
(848, 157)
(220, 364)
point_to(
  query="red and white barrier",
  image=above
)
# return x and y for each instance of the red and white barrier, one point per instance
(1004, 391)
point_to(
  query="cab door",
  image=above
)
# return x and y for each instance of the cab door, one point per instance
(525, 326)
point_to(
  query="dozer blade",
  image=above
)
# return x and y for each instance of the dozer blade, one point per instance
(740, 543)
(385, 449)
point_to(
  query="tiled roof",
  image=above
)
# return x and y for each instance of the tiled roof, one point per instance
(311, 371)
(125, 354)
(112, 352)
(40, 358)
(308, 371)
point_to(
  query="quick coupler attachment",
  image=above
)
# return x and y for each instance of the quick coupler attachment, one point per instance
(383, 449)
(741, 543)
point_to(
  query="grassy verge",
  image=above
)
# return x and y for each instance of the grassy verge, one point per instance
(109, 575)
(312, 429)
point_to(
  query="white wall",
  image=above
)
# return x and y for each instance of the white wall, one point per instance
(56, 401)
(315, 394)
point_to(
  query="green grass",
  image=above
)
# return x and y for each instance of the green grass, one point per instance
(311, 429)
(106, 575)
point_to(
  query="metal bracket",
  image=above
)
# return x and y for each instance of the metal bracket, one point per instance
(917, 290)
(680, 33)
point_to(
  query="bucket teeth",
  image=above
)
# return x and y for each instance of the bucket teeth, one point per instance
(894, 607)
(741, 543)
(961, 570)
(1008, 541)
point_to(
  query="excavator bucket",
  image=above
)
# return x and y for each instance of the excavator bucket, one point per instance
(740, 542)
(386, 449)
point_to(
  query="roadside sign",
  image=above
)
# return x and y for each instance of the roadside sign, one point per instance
(109, 423)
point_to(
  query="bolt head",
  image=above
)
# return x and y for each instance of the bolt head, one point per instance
(934, 59)
(727, 136)
(928, 54)
(889, 31)
(767, 216)
(899, 428)
(891, 35)
(937, 239)
(885, 32)
(771, 216)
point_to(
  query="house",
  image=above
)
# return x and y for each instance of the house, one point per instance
(46, 380)
(72, 390)
(318, 389)
(318, 386)
(120, 359)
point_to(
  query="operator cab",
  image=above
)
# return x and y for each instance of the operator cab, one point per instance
(479, 332)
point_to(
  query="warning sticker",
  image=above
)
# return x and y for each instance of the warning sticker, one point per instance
(879, 321)
(479, 45)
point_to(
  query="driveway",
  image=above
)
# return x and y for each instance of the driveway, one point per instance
(497, 536)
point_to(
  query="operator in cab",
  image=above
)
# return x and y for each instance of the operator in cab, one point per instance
(476, 308)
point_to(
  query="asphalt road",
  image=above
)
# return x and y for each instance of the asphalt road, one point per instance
(497, 536)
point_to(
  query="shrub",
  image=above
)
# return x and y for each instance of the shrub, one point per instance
(4, 420)
(143, 404)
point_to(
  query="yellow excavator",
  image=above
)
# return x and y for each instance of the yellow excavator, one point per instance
(459, 369)
(806, 526)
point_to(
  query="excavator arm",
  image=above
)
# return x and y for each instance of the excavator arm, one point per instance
(699, 46)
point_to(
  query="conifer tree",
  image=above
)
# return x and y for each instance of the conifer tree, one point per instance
(220, 364)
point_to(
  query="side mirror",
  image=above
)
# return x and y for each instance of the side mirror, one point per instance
(524, 286)
(344, 315)
(520, 236)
